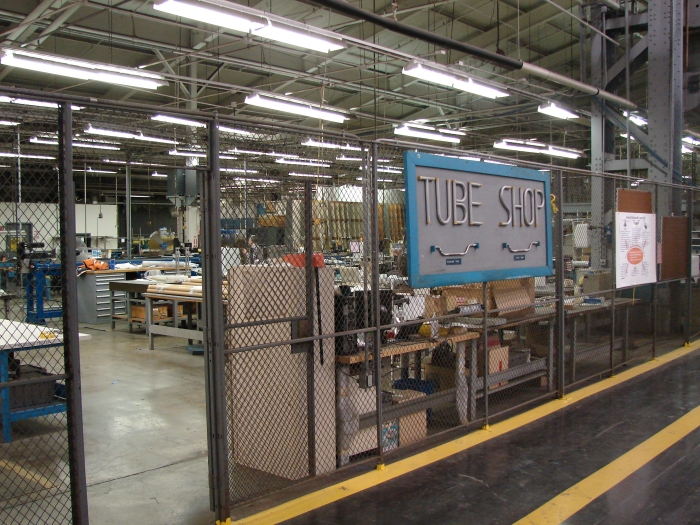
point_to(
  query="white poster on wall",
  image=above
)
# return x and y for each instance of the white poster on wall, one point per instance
(635, 241)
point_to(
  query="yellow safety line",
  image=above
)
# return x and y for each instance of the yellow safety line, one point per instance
(30, 477)
(584, 492)
(309, 502)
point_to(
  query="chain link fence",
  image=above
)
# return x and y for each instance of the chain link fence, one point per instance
(318, 355)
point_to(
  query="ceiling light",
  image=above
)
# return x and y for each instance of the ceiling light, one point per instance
(237, 170)
(553, 110)
(685, 149)
(434, 76)
(139, 196)
(210, 15)
(417, 133)
(311, 175)
(95, 145)
(90, 170)
(388, 169)
(295, 107)
(330, 145)
(234, 131)
(182, 153)
(8, 123)
(636, 119)
(34, 103)
(531, 146)
(297, 38)
(23, 156)
(81, 69)
(358, 159)
(263, 153)
(624, 136)
(691, 140)
(303, 162)
(227, 157)
(246, 179)
(127, 135)
(452, 132)
(498, 162)
(161, 175)
(181, 121)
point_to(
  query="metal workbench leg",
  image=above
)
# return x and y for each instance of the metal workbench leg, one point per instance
(405, 364)
(5, 399)
(462, 393)
(112, 322)
(550, 359)
(129, 297)
(472, 379)
(149, 321)
(572, 350)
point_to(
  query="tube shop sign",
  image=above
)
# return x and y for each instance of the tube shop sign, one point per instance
(472, 221)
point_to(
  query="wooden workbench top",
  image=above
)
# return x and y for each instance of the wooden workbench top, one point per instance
(407, 347)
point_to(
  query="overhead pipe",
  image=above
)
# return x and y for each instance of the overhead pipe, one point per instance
(488, 56)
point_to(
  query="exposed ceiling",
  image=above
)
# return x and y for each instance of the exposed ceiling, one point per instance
(212, 69)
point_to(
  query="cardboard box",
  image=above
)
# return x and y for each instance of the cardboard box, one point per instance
(180, 311)
(445, 377)
(413, 427)
(139, 312)
(517, 296)
(465, 295)
(595, 282)
(272, 221)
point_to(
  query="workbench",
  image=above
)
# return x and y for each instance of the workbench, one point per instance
(157, 327)
(20, 337)
(126, 292)
(356, 408)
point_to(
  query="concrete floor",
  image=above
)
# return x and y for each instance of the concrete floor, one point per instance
(145, 430)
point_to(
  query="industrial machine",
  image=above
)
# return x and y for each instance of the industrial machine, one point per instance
(37, 270)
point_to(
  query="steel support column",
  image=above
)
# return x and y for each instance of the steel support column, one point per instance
(559, 255)
(376, 304)
(214, 337)
(71, 346)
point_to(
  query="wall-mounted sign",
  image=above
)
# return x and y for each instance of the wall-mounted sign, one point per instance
(635, 242)
(475, 222)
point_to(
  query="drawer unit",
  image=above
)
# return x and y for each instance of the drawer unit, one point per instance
(94, 297)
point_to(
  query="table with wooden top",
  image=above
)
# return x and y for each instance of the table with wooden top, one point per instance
(19, 337)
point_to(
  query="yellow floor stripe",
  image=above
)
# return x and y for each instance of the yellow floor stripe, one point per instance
(30, 477)
(577, 497)
(373, 478)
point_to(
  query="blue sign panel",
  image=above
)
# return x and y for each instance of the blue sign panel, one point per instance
(470, 221)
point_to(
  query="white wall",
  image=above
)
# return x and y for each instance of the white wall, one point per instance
(45, 220)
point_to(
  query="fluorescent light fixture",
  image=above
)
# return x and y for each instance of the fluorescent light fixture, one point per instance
(95, 145)
(127, 135)
(303, 162)
(544, 171)
(498, 162)
(183, 153)
(624, 136)
(34, 103)
(531, 146)
(91, 170)
(639, 121)
(8, 123)
(474, 159)
(227, 157)
(420, 134)
(685, 149)
(210, 15)
(434, 76)
(297, 38)
(330, 145)
(23, 156)
(262, 153)
(553, 110)
(294, 107)
(134, 163)
(378, 180)
(452, 132)
(691, 140)
(139, 196)
(310, 175)
(177, 120)
(388, 169)
(234, 131)
(237, 170)
(161, 175)
(246, 179)
(358, 159)
(81, 69)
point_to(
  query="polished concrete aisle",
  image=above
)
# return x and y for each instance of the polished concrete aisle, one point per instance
(505, 479)
(145, 430)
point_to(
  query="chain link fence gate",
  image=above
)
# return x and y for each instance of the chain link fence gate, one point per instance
(42, 472)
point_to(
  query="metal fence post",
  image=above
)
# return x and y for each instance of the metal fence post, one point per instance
(485, 340)
(214, 337)
(376, 305)
(310, 364)
(655, 289)
(612, 297)
(559, 254)
(71, 348)
(689, 280)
